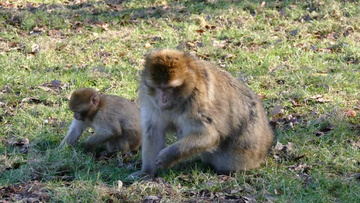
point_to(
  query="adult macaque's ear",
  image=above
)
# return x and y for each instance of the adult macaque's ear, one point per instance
(95, 98)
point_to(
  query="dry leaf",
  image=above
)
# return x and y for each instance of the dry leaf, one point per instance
(262, 5)
(350, 113)
(277, 192)
(201, 31)
(281, 147)
(119, 185)
(151, 199)
(319, 98)
(316, 96)
(277, 110)
(261, 96)
(322, 100)
(356, 144)
(304, 168)
(281, 151)
(147, 45)
(31, 100)
(23, 144)
(319, 74)
(103, 25)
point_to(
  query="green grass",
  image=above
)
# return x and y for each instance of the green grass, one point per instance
(287, 51)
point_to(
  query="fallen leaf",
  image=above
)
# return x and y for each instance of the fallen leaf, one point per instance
(119, 185)
(151, 199)
(356, 144)
(319, 98)
(6, 89)
(350, 113)
(34, 49)
(278, 192)
(277, 110)
(283, 152)
(190, 44)
(23, 144)
(55, 33)
(249, 199)
(262, 5)
(281, 147)
(201, 31)
(319, 74)
(54, 86)
(261, 96)
(304, 168)
(223, 44)
(148, 46)
(102, 25)
(185, 178)
(224, 178)
(295, 102)
(234, 191)
(316, 96)
(31, 100)
(37, 31)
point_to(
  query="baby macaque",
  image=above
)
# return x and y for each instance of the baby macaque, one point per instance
(116, 121)
(214, 115)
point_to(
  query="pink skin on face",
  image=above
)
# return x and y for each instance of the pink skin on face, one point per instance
(163, 98)
(164, 93)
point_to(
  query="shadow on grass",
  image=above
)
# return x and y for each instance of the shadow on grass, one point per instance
(75, 15)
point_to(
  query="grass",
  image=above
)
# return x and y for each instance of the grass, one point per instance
(300, 55)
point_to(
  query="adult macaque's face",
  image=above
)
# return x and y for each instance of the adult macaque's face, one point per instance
(165, 96)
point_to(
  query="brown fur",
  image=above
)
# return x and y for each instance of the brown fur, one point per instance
(116, 121)
(215, 116)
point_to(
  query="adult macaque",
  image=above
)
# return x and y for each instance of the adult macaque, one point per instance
(116, 121)
(214, 115)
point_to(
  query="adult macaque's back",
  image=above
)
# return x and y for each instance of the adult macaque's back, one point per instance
(214, 115)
